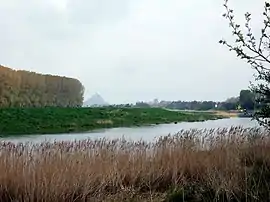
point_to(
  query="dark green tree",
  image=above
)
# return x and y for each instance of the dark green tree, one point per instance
(142, 104)
(256, 52)
(246, 100)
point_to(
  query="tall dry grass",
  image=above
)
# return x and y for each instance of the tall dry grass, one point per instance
(196, 165)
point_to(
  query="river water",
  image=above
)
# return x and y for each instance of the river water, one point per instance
(147, 133)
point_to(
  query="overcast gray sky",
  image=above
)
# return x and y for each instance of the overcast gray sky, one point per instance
(128, 50)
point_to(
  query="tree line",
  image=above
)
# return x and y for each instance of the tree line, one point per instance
(245, 100)
(20, 88)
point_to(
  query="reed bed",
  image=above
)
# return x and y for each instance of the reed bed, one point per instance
(226, 164)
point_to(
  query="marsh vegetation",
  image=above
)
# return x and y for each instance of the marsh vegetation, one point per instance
(226, 164)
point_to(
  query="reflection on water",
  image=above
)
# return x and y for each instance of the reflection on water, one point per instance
(147, 133)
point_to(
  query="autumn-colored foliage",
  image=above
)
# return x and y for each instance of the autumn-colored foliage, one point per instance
(19, 88)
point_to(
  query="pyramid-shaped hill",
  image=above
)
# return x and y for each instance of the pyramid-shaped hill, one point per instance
(95, 100)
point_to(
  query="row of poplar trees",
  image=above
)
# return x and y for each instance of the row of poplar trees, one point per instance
(19, 88)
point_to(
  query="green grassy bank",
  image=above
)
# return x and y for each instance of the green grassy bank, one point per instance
(62, 120)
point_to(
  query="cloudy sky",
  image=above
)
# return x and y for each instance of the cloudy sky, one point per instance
(128, 50)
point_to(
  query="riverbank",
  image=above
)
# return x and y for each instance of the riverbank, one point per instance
(190, 166)
(19, 121)
(226, 114)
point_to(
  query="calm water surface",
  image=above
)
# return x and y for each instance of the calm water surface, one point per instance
(147, 133)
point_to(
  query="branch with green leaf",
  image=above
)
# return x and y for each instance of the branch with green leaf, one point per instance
(256, 52)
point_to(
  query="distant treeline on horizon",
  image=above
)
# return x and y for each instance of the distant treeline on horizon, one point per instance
(245, 100)
(20, 88)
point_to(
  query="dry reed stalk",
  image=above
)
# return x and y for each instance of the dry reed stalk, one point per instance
(211, 162)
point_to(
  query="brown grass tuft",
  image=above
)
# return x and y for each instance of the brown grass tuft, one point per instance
(106, 121)
(196, 165)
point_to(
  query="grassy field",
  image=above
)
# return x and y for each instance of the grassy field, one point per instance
(197, 165)
(64, 120)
